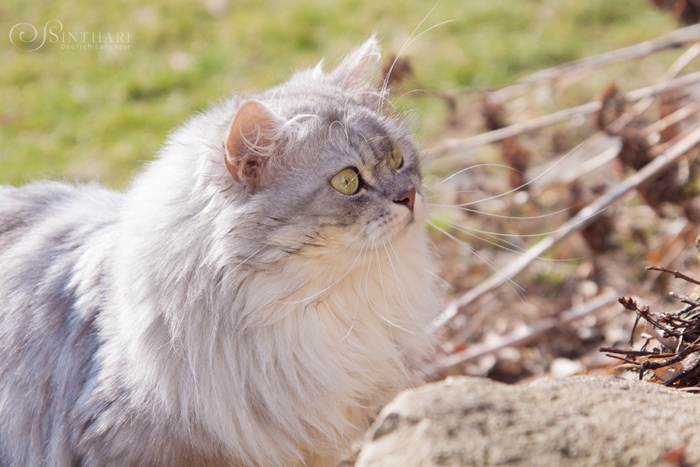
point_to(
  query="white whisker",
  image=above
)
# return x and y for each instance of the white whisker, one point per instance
(238, 266)
(541, 234)
(500, 216)
(411, 40)
(512, 284)
(471, 167)
(551, 167)
(378, 313)
(359, 286)
(451, 193)
(399, 285)
(467, 230)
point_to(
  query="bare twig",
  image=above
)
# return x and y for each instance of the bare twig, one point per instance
(641, 106)
(626, 118)
(645, 312)
(682, 144)
(649, 365)
(685, 299)
(682, 374)
(671, 40)
(636, 353)
(676, 274)
(528, 333)
(556, 117)
(672, 119)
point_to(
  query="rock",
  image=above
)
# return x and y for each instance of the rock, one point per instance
(577, 421)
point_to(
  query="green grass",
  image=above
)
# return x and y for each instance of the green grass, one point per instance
(96, 115)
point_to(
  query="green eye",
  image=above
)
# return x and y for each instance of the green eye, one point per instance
(396, 159)
(347, 181)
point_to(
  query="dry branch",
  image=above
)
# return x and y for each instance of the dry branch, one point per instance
(524, 335)
(676, 360)
(676, 274)
(557, 117)
(626, 118)
(671, 40)
(672, 119)
(674, 39)
(682, 144)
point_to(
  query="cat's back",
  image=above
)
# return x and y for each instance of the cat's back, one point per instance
(44, 225)
(48, 233)
(51, 267)
(25, 206)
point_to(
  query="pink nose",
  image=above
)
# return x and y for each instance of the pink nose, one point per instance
(408, 199)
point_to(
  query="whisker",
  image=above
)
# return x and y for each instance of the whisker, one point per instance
(403, 47)
(498, 234)
(359, 286)
(501, 216)
(517, 249)
(451, 193)
(548, 169)
(431, 94)
(467, 230)
(380, 96)
(337, 281)
(411, 40)
(238, 266)
(399, 285)
(512, 284)
(391, 323)
(471, 167)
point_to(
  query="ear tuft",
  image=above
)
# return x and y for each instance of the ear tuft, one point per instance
(253, 138)
(359, 67)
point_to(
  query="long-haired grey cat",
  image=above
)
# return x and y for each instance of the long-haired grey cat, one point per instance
(248, 301)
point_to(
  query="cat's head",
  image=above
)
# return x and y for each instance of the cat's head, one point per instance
(321, 160)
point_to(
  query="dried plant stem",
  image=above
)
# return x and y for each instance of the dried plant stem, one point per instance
(673, 39)
(626, 118)
(670, 40)
(528, 333)
(676, 274)
(641, 106)
(557, 117)
(682, 144)
(672, 119)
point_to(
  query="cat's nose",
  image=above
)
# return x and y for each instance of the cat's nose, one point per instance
(408, 199)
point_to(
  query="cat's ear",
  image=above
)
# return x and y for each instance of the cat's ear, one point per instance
(360, 66)
(252, 140)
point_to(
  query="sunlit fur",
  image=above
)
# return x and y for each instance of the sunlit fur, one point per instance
(194, 321)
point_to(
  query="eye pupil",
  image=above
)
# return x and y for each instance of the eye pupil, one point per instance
(347, 181)
(396, 159)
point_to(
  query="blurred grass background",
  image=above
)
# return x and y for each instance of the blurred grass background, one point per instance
(84, 115)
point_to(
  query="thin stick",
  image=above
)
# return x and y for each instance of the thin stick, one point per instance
(672, 119)
(685, 143)
(482, 139)
(524, 335)
(670, 40)
(625, 119)
(591, 164)
(685, 299)
(676, 274)
(641, 353)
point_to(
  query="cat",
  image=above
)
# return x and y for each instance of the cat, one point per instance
(257, 292)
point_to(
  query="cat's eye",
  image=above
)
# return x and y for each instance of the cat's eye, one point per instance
(396, 159)
(347, 181)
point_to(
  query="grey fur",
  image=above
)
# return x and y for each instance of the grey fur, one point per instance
(193, 320)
